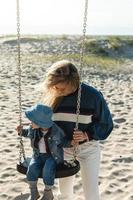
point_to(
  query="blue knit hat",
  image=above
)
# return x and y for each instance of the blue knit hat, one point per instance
(40, 115)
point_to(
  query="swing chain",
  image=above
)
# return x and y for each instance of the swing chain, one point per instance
(80, 69)
(81, 61)
(21, 151)
(83, 35)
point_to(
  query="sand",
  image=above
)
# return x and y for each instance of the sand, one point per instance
(116, 170)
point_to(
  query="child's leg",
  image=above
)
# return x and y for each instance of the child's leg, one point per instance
(34, 194)
(48, 178)
(49, 172)
(34, 169)
(33, 173)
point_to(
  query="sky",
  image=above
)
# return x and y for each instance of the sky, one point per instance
(113, 17)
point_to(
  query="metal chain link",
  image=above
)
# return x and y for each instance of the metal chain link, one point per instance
(21, 150)
(81, 60)
(80, 69)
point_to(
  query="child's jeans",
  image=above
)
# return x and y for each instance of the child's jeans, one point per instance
(43, 164)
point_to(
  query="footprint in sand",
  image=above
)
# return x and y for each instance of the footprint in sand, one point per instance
(120, 120)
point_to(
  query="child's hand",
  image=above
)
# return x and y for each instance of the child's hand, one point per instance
(18, 129)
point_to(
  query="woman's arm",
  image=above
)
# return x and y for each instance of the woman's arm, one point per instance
(102, 123)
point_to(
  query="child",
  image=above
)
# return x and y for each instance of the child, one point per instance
(47, 141)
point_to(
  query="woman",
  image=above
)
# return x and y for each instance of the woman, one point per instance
(95, 123)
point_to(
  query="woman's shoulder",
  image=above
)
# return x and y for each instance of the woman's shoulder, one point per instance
(90, 90)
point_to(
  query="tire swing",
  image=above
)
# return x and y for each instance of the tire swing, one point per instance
(67, 168)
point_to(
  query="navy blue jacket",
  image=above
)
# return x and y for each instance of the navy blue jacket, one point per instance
(95, 117)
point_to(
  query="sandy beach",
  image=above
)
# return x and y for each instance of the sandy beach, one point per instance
(116, 170)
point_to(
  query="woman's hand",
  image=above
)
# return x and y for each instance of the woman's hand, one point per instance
(79, 136)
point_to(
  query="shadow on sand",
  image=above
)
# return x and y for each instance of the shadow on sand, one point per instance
(22, 197)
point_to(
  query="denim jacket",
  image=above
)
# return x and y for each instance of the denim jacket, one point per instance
(56, 140)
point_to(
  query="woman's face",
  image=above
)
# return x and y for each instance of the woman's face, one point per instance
(63, 89)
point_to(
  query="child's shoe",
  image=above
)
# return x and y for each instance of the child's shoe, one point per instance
(33, 190)
(48, 195)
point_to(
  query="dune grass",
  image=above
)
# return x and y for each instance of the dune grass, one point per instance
(98, 50)
(89, 60)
